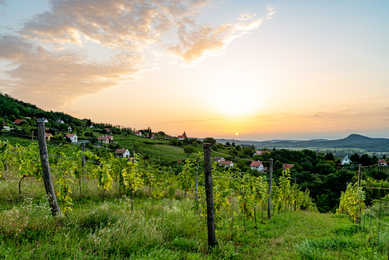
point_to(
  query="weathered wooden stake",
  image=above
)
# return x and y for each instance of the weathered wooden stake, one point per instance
(209, 195)
(269, 192)
(196, 189)
(82, 165)
(295, 185)
(358, 218)
(55, 210)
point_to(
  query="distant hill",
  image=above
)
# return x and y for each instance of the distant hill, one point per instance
(353, 141)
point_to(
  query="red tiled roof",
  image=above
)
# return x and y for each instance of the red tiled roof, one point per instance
(225, 162)
(18, 121)
(105, 137)
(120, 151)
(70, 135)
(48, 134)
(287, 166)
(255, 164)
(382, 162)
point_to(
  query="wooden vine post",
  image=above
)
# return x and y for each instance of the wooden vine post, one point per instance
(269, 191)
(209, 195)
(55, 210)
(358, 219)
(197, 188)
(82, 165)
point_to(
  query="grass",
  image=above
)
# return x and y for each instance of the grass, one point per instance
(117, 227)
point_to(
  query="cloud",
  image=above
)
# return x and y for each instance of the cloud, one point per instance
(44, 57)
(129, 24)
(53, 79)
(196, 41)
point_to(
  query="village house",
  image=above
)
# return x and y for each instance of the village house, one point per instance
(19, 121)
(139, 133)
(260, 152)
(382, 163)
(257, 166)
(7, 128)
(72, 137)
(182, 137)
(48, 136)
(218, 159)
(59, 121)
(287, 166)
(226, 164)
(124, 153)
(345, 161)
(105, 139)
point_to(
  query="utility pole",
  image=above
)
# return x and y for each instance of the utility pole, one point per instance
(269, 191)
(209, 195)
(55, 210)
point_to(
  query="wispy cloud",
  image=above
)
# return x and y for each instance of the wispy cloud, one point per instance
(196, 41)
(44, 56)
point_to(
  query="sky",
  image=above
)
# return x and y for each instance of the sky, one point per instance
(243, 69)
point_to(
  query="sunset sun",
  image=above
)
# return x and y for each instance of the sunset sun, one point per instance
(236, 102)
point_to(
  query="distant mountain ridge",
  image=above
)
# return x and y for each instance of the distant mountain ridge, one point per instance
(352, 141)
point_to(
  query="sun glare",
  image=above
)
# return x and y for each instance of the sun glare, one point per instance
(237, 102)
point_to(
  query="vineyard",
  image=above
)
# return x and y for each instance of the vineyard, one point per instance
(96, 191)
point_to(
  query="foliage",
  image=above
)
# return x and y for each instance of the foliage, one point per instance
(352, 202)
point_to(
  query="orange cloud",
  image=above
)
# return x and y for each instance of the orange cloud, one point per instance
(46, 65)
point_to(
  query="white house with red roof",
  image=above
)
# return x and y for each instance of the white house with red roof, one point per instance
(218, 159)
(139, 133)
(226, 164)
(382, 163)
(257, 166)
(105, 139)
(72, 137)
(182, 137)
(124, 153)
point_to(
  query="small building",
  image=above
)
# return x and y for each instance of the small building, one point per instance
(105, 139)
(287, 166)
(218, 159)
(257, 166)
(382, 163)
(48, 136)
(260, 152)
(345, 161)
(124, 153)
(6, 128)
(139, 133)
(19, 121)
(60, 121)
(226, 164)
(107, 130)
(72, 137)
(182, 137)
